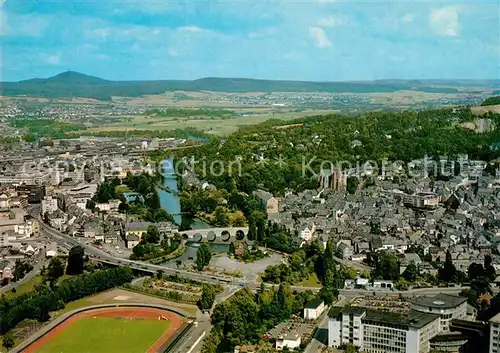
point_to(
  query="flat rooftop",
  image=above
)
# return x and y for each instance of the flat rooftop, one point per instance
(415, 319)
(440, 301)
(495, 319)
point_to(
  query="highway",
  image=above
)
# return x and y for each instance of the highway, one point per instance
(42, 261)
(66, 241)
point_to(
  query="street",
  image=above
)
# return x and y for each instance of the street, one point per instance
(41, 261)
(66, 241)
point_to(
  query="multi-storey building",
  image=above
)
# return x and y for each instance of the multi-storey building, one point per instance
(495, 334)
(446, 305)
(422, 200)
(49, 205)
(382, 332)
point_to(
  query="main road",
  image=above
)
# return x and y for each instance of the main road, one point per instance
(66, 241)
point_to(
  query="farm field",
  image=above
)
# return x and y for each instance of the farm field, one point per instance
(213, 125)
(107, 335)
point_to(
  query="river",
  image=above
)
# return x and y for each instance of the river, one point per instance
(170, 201)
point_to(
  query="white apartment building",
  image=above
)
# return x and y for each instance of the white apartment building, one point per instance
(4, 201)
(25, 230)
(4, 239)
(291, 341)
(49, 204)
(382, 332)
(495, 334)
(314, 309)
(447, 306)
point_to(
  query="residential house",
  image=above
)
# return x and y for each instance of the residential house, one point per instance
(306, 231)
(290, 340)
(132, 240)
(136, 228)
(267, 201)
(345, 250)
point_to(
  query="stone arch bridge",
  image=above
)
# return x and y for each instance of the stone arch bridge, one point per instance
(219, 235)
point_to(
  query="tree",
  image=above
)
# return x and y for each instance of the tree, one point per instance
(203, 256)
(8, 341)
(90, 205)
(447, 273)
(490, 271)
(55, 270)
(476, 271)
(186, 223)
(386, 266)
(159, 274)
(350, 348)
(20, 269)
(252, 229)
(221, 217)
(152, 235)
(123, 207)
(207, 297)
(411, 272)
(76, 260)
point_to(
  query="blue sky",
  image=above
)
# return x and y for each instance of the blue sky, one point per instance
(321, 40)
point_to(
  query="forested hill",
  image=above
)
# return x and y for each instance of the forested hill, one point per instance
(74, 84)
(396, 136)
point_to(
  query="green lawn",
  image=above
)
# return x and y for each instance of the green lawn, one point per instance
(107, 335)
(26, 287)
(311, 281)
(122, 188)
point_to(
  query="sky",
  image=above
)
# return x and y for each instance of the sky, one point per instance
(315, 40)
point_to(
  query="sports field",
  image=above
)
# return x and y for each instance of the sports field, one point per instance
(131, 330)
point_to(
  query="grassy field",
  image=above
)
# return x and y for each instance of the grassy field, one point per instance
(311, 281)
(116, 296)
(122, 188)
(107, 335)
(26, 287)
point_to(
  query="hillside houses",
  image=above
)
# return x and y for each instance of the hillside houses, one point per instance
(462, 214)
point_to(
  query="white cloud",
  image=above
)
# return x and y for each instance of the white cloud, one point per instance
(52, 59)
(445, 21)
(173, 52)
(319, 37)
(331, 21)
(99, 32)
(192, 29)
(408, 18)
(3, 23)
(22, 25)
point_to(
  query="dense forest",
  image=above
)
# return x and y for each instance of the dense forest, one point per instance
(273, 155)
(491, 101)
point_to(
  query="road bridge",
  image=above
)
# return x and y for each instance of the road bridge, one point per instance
(219, 235)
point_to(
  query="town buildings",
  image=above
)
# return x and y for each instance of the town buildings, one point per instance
(381, 332)
(267, 201)
(447, 306)
(494, 334)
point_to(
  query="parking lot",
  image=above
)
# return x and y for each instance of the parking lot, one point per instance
(249, 270)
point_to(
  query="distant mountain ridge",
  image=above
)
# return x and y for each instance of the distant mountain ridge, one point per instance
(74, 84)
